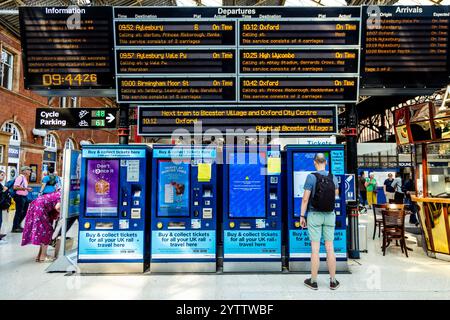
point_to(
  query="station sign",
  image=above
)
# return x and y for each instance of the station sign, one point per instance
(235, 120)
(405, 47)
(76, 118)
(68, 48)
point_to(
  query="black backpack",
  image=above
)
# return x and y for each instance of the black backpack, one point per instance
(5, 200)
(324, 194)
(52, 180)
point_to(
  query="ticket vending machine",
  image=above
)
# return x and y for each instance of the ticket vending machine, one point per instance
(114, 186)
(300, 162)
(252, 221)
(184, 207)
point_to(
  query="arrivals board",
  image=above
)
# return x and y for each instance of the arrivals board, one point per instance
(237, 55)
(405, 47)
(284, 120)
(68, 48)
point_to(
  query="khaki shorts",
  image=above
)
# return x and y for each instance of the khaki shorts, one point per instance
(321, 224)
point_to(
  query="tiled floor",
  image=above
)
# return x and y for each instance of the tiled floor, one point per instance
(372, 277)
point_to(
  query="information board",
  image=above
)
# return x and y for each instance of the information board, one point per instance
(68, 48)
(310, 55)
(285, 120)
(405, 47)
(76, 118)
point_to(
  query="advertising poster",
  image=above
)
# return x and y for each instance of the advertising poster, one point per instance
(111, 245)
(74, 188)
(252, 244)
(247, 182)
(300, 245)
(102, 188)
(303, 165)
(186, 244)
(173, 189)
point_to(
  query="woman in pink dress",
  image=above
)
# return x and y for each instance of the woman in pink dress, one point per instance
(38, 227)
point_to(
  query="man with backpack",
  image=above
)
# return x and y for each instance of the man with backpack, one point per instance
(50, 183)
(321, 189)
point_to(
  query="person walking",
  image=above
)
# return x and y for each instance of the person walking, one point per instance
(371, 187)
(50, 183)
(362, 189)
(321, 188)
(388, 189)
(3, 190)
(38, 228)
(409, 189)
(21, 197)
(397, 185)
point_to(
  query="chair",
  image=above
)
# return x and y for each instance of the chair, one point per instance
(377, 217)
(394, 228)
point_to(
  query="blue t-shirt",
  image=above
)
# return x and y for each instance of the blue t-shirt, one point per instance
(48, 188)
(310, 184)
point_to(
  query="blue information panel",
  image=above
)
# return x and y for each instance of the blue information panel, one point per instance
(300, 245)
(350, 187)
(247, 181)
(303, 165)
(111, 245)
(173, 189)
(185, 244)
(253, 244)
(338, 162)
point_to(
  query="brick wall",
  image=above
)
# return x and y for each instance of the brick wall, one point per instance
(19, 105)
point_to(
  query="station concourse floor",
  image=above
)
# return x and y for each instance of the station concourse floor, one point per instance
(372, 277)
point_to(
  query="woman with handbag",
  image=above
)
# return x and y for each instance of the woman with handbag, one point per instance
(371, 188)
(38, 228)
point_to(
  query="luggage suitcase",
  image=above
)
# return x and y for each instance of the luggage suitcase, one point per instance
(362, 229)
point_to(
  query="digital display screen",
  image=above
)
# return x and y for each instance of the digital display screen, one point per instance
(405, 47)
(303, 164)
(175, 33)
(175, 61)
(247, 180)
(333, 89)
(223, 55)
(141, 90)
(285, 120)
(298, 61)
(303, 33)
(102, 191)
(67, 48)
(173, 188)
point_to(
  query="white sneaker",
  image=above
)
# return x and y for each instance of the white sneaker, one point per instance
(3, 241)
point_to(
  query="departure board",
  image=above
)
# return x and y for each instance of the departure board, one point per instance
(284, 120)
(405, 47)
(68, 48)
(175, 61)
(298, 61)
(225, 55)
(298, 89)
(142, 90)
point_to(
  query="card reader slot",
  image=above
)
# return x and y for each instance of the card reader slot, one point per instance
(104, 225)
(177, 225)
(245, 225)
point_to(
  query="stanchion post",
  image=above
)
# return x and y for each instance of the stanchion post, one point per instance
(124, 124)
(352, 168)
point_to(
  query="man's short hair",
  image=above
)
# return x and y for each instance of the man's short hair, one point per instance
(389, 174)
(320, 158)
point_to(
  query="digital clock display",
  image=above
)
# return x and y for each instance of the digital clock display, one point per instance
(58, 56)
(56, 79)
